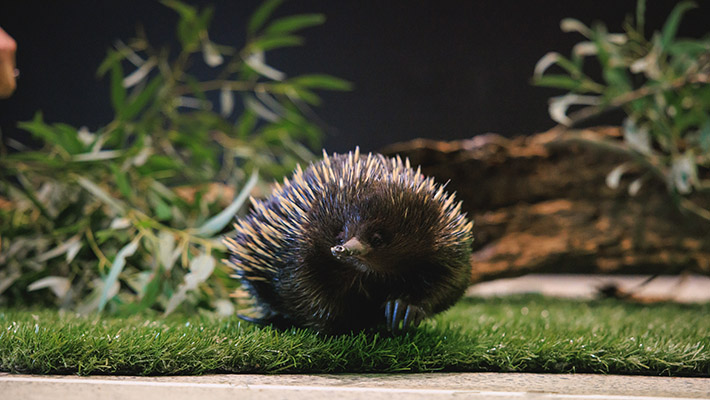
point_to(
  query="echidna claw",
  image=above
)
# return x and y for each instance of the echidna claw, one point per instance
(400, 316)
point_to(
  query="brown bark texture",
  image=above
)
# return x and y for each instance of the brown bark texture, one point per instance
(540, 204)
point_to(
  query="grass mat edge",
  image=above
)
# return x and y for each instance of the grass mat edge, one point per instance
(512, 334)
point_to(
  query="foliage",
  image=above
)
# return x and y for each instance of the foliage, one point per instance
(522, 334)
(661, 84)
(129, 217)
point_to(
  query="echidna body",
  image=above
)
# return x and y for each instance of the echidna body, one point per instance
(354, 242)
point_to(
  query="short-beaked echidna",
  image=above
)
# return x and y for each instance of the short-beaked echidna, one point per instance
(353, 242)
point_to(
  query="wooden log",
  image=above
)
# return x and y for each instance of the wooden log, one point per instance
(540, 204)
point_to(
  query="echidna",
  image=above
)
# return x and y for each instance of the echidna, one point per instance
(353, 242)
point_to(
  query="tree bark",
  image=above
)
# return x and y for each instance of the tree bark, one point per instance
(541, 204)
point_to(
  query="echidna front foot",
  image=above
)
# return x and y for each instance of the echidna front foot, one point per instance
(273, 319)
(400, 316)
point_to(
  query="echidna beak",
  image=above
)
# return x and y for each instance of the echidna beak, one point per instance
(353, 247)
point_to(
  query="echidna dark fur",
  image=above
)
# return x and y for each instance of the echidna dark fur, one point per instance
(351, 243)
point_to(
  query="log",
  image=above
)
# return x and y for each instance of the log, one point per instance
(540, 204)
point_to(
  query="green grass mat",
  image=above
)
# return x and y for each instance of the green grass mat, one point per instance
(524, 334)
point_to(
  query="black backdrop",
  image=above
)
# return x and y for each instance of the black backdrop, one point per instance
(441, 69)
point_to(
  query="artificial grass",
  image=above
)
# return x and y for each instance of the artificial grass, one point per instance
(524, 334)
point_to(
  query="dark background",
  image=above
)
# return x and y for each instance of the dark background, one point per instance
(442, 69)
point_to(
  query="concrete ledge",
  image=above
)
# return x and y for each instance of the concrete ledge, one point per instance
(684, 289)
(350, 386)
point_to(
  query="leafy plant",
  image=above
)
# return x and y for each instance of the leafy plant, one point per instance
(129, 216)
(661, 84)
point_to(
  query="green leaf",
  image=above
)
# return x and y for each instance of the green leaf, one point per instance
(157, 163)
(670, 28)
(294, 23)
(261, 14)
(152, 289)
(112, 58)
(689, 47)
(218, 222)
(29, 190)
(205, 17)
(162, 210)
(246, 123)
(121, 181)
(705, 136)
(137, 104)
(194, 85)
(201, 267)
(116, 267)
(558, 81)
(68, 137)
(615, 76)
(118, 92)
(640, 15)
(569, 65)
(167, 253)
(186, 11)
(320, 81)
(269, 43)
(39, 129)
(307, 96)
(190, 25)
(101, 194)
(189, 35)
(35, 157)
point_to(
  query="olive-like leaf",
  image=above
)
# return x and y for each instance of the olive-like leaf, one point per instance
(118, 91)
(684, 173)
(559, 105)
(219, 221)
(671, 26)
(59, 250)
(186, 11)
(112, 57)
(57, 284)
(294, 23)
(321, 81)
(614, 177)
(575, 25)
(137, 104)
(139, 74)
(271, 43)
(558, 81)
(210, 54)
(40, 129)
(261, 15)
(226, 101)
(122, 182)
(201, 268)
(101, 194)
(705, 136)
(637, 137)
(116, 267)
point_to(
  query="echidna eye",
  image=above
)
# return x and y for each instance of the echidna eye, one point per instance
(376, 239)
